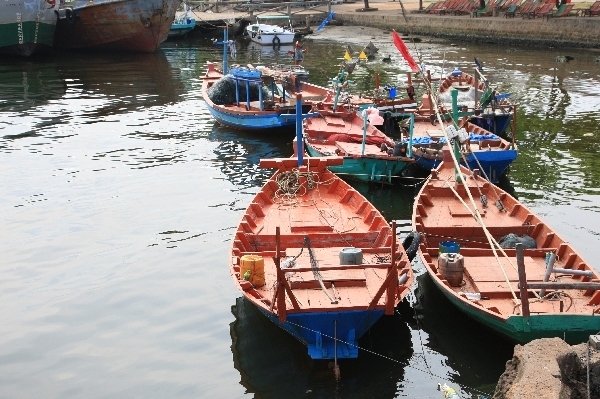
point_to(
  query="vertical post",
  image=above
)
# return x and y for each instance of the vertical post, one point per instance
(550, 259)
(225, 49)
(281, 307)
(456, 145)
(247, 94)
(514, 125)
(237, 91)
(393, 274)
(364, 136)
(411, 129)
(522, 280)
(409, 78)
(261, 104)
(454, 95)
(299, 137)
(476, 76)
(429, 91)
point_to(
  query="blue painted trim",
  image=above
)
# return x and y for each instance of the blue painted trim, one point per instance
(494, 163)
(316, 329)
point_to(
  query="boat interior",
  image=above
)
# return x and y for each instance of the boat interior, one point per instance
(324, 216)
(491, 275)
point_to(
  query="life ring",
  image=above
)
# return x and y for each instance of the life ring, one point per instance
(276, 41)
(411, 244)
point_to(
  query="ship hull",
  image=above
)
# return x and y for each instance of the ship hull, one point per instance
(122, 25)
(26, 27)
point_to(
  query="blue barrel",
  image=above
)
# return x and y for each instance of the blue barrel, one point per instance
(449, 247)
(392, 92)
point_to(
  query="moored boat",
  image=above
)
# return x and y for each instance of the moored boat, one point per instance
(480, 149)
(469, 230)
(369, 155)
(489, 109)
(27, 27)
(258, 98)
(123, 25)
(315, 257)
(182, 25)
(265, 32)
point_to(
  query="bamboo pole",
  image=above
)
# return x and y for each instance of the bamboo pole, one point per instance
(522, 280)
(560, 285)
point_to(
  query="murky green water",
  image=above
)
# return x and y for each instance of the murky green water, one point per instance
(120, 194)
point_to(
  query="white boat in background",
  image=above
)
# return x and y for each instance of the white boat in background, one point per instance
(183, 24)
(266, 32)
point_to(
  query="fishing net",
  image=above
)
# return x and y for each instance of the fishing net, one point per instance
(510, 241)
(223, 91)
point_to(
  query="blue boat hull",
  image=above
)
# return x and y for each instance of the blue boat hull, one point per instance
(370, 170)
(318, 330)
(493, 163)
(497, 124)
(264, 120)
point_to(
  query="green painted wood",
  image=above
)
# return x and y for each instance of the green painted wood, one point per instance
(26, 33)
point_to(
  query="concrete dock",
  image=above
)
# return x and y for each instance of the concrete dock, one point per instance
(564, 32)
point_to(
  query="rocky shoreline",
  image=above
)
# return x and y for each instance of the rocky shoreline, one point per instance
(550, 369)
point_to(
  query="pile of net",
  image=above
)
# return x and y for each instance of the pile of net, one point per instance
(223, 91)
(510, 241)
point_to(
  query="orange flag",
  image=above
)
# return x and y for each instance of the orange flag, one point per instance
(404, 51)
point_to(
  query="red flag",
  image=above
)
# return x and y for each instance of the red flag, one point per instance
(404, 51)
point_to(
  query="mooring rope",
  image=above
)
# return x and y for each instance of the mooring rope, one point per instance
(335, 339)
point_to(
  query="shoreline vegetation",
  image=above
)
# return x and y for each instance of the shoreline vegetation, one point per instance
(576, 31)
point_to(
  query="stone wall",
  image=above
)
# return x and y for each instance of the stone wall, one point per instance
(555, 32)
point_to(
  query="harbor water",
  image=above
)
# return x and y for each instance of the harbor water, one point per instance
(120, 196)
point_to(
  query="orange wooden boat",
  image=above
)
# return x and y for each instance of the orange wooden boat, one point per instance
(315, 257)
(363, 146)
(550, 291)
(495, 111)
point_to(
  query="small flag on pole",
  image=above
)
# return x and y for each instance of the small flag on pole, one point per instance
(347, 56)
(404, 51)
(362, 56)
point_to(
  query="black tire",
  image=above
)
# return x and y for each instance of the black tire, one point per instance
(276, 41)
(411, 244)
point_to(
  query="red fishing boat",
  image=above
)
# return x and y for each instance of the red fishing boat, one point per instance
(469, 233)
(369, 154)
(314, 256)
(124, 25)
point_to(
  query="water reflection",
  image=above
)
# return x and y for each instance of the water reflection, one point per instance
(127, 81)
(238, 154)
(475, 354)
(272, 364)
(28, 84)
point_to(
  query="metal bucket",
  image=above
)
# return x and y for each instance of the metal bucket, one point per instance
(351, 256)
(452, 266)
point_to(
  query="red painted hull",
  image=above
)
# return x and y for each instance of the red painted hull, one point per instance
(123, 25)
